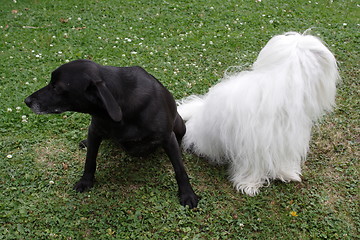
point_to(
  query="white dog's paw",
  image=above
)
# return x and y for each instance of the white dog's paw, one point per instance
(289, 176)
(250, 189)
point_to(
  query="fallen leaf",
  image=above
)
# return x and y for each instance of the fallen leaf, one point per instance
(293, 213)
(65, 166)
(80, 28)
(64, 20)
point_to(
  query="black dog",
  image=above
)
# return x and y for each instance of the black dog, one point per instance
(127, 104)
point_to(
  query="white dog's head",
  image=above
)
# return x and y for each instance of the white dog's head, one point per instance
(307, 65)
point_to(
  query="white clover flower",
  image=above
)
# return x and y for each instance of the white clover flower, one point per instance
(9, 110)
(51, 182)
(24, 118)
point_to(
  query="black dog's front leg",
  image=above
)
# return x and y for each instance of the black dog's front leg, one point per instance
(186, 193)
(88, 178)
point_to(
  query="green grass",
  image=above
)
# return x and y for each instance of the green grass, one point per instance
(188, 45)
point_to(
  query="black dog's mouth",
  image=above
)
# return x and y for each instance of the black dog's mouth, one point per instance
(55, 111)
(38, 109)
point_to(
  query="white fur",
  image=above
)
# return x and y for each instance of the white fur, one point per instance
(260, 121)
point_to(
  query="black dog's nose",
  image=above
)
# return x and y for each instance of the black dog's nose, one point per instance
(28, 101)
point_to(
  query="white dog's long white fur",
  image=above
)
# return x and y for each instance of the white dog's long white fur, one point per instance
(260, 121)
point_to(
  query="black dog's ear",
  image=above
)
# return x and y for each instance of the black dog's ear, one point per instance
(109, 101)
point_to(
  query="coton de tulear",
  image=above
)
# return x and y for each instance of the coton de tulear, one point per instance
(259, 121)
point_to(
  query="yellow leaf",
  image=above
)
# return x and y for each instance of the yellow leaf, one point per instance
(294, 214)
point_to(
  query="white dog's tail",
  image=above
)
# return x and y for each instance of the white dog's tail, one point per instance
(187, 107)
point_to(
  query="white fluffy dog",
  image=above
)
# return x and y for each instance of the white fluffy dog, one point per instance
(260, 121)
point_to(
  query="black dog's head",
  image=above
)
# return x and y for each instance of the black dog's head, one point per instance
(75, 86)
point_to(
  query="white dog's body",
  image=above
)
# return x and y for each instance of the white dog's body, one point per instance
(260, 121)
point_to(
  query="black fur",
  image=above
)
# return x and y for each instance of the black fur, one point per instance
(127, 104)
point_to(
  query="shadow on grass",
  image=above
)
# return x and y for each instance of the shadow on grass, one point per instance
(118, 171)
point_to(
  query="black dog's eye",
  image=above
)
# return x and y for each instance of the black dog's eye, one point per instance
(55, 88)
(58, 89)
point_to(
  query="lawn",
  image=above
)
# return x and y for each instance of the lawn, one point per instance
(188, 45)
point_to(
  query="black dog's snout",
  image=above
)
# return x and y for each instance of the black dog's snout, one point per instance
(28, 101)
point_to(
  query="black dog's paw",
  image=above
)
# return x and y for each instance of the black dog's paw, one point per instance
(83, 185)
(189, 199)
(83, 144)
